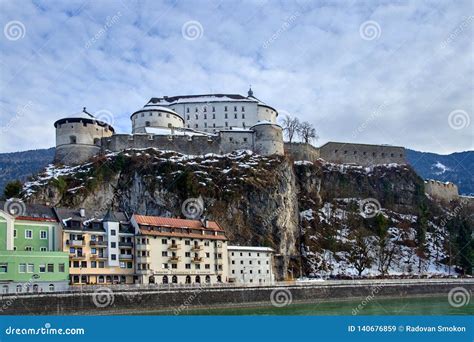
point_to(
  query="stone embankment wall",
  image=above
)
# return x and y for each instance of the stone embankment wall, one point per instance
(123, 301)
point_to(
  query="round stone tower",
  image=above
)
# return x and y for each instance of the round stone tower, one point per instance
(268, 138)
(155, 117)
(78, 137)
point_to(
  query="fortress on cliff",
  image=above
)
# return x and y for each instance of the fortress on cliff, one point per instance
(202, 124)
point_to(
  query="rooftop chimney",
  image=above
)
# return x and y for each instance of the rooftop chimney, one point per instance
(82, 212)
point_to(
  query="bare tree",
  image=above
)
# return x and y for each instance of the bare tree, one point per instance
(307, 132)
(290, 127)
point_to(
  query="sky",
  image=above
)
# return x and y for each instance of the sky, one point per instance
(377, 72)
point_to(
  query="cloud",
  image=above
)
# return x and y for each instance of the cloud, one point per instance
(302, 57)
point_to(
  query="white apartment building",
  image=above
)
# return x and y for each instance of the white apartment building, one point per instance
(250, 265)
(179, 251)
(208, 113)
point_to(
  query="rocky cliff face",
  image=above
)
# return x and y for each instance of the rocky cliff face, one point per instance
(309, 213)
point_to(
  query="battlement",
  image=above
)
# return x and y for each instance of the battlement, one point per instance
(443, 191)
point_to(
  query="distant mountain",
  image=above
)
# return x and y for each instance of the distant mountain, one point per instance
(455, 167)
(21, 165)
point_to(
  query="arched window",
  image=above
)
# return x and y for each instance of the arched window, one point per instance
(108, 279)
(35, 288)
(208, 279)
(188, 279)
(174, 279)
(198, 279)
(165, 279)
(51, 287)
(72, 139)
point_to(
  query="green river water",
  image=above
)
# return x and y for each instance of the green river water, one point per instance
(433, 305)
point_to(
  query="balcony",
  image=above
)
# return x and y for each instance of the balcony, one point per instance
(75, 243)
(174, 247)
(143, 259)
(196, 259)
(125, 256)
(174, 259)
(102, 243)
(77, 256)
(142, 247)
(98, 257)
(196, 248)
(125, 244)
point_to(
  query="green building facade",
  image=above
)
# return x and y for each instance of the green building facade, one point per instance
(31, 259)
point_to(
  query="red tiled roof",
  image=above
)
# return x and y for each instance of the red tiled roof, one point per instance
(158, 221)
(29, 218)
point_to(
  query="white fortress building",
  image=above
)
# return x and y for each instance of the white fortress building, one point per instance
(251, 265)
(189, 124)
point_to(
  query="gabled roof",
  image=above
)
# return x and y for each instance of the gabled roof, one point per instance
(30, 212)
(175, 222)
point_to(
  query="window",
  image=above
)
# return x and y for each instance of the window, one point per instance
(164, 266)
(93, 250)
(164, 241)
(226, 116)
(188, 266)
(30, 268)
(213, 116)
(245, 139)
(43, 234)
(196, 109)
(174, 266)
(3, 267)
(243, 116)
(235, 108)
(101, 264)
(208, 255)
(187, 118)
(205, 116)
(62, 268)
(113, 245)
(14, 233)
(28, 234)
(72, 139)
(197, 266)
(205, 125)
(51, 287)
(93, 264)
(43, 249)
(147, 123)
(113, 256)
(28, 248)
(50, 268)
(22, 268)
(226, 124)
(225, 109)
(75, 264)
(164, 253)
(122, 264)
(187, 111)
(187, 254)
(187, 242)
(233, 262)
(235, 116)
(196, 116)
(113, 232)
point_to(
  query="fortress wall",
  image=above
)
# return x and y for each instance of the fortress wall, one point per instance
(361, 154)
(302, 151)
(268, 140)
(181, 144)
(75, 153)
(443, 191)
(231, 141)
